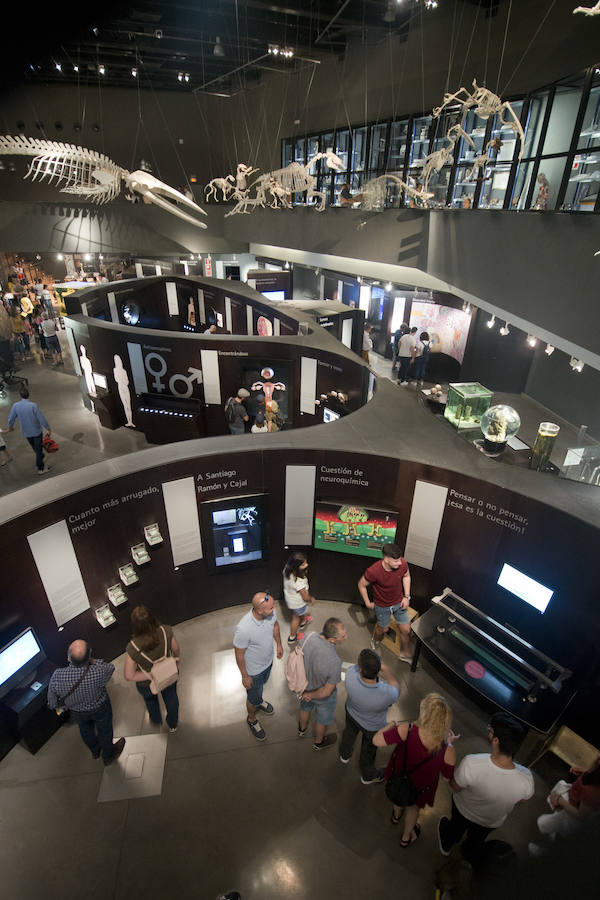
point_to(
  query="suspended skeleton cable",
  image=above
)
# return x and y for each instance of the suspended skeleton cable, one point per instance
(487, 46)
(451, 51)
(504, 45)
(422, 66)
(139, 121)
(466, 56)
(529, 46)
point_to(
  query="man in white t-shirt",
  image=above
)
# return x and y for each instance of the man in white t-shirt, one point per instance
(486, 789)
(253, 646)
(406, 356)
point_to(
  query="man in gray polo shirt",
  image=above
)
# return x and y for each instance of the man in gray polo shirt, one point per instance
(368, 699)
(324, 672)
(253, 645)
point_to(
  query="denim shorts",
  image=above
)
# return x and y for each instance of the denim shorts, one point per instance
(324, 709)
(300, 610)
(255, 696)
(383, 615)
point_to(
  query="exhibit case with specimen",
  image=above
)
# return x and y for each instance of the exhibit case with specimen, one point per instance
(105, 615)
(153, 535)
(116, 595)
(498, 424)
(140, 554)
(467, 402)
(127, 574)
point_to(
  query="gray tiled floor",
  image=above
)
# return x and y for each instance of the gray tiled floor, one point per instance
(274, 820)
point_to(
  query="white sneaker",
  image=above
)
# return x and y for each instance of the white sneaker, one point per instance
(44, 470)
(403, 383)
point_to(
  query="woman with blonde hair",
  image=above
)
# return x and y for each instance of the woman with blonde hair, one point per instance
(151, 641)
(423, 751)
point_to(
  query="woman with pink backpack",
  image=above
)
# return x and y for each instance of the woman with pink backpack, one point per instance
(151, 661)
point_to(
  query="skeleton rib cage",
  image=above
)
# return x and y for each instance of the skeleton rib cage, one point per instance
(77, 170)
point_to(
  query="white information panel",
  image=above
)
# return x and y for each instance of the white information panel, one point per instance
(210, 372)
(112, 305)
(73, 349)
(276, 329)
(228, 323)
(158, 270)
(139, 272)
(138, 371)
(201, 308)
(172, 303)
(299, 504)
(429, 503)
(182, 520)
(249, 320)
(347, 333)
(59, 570)
(308, 385)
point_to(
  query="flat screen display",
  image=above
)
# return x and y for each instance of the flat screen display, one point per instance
(329, 415)
(353, 528)
(278, 296)
(235, 532)
(525, 588)
(18, 656)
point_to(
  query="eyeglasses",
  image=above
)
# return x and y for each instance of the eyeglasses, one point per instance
(266, 597)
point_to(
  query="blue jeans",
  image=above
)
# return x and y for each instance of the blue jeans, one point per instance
(255, 697)
(36, 444)
(237, 429)
(170, 699)
(324, 710)
(96, 729)
(420, 366)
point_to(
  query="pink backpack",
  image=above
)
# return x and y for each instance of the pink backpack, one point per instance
(295, 671)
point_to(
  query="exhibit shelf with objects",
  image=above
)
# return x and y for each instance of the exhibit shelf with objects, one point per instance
(466, 404)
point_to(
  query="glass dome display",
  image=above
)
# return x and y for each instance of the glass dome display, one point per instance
(498, 424)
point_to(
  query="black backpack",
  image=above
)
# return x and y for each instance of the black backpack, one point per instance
(230, 409)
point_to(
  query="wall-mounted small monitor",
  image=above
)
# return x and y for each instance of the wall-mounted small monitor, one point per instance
(525, 588)
(19, 660)
(329, 415)
(235, 532)
(277, 296)
(353, 528)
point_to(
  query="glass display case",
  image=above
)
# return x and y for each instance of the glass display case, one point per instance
(543, 446)
(140, 554)
(153, 535)
(582, 464)
(116, 595)
(419, 149)
(398, 142)
(498, 424)
(467, 402)
(128, 574)
(377, 149)
(105, 615)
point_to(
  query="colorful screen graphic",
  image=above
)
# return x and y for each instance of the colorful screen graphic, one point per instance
(349, 528)
(447, 328)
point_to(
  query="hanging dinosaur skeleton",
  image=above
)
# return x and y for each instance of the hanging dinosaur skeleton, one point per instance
(588, 10)
(92, 176)
(273, 188)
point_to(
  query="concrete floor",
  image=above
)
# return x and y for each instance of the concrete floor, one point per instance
(274, 820)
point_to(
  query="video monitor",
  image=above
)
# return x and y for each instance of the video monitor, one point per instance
(18, 660)
(353, 528)
(329, 415)
(525, 588)
(278, 296)
(235, 532)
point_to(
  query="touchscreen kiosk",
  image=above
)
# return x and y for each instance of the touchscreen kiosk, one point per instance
(234, 532)
(19, 660)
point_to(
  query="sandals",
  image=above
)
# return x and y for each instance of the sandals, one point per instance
(304, 622)
(417, 833)
(395, 820)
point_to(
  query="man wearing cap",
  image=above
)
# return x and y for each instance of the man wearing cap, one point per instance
(237, 415)
(253, 646)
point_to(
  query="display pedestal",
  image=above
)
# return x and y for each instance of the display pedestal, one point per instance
(25, 714)
(391, 639)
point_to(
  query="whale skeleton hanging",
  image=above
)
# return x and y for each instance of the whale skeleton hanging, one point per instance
(374, 192)
(92, 176)
(292, 179)
(484, 104)
(588, 10)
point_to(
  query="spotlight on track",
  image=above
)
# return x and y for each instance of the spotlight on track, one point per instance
(576, 364)
(218, 49)
(101, 69)
(134, 72)
(491, 322)
(549, 350)
(531, 340)
(388, 286)
(505, 330)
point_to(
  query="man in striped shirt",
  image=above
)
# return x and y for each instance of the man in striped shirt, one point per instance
(81, 688)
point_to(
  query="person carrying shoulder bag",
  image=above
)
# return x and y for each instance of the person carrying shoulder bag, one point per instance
(151, 661)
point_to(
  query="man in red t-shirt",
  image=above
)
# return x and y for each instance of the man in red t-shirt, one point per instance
(390, 580)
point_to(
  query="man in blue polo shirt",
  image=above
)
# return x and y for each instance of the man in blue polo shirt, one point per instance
(368, 699)
(253, 645)
(32, 421)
